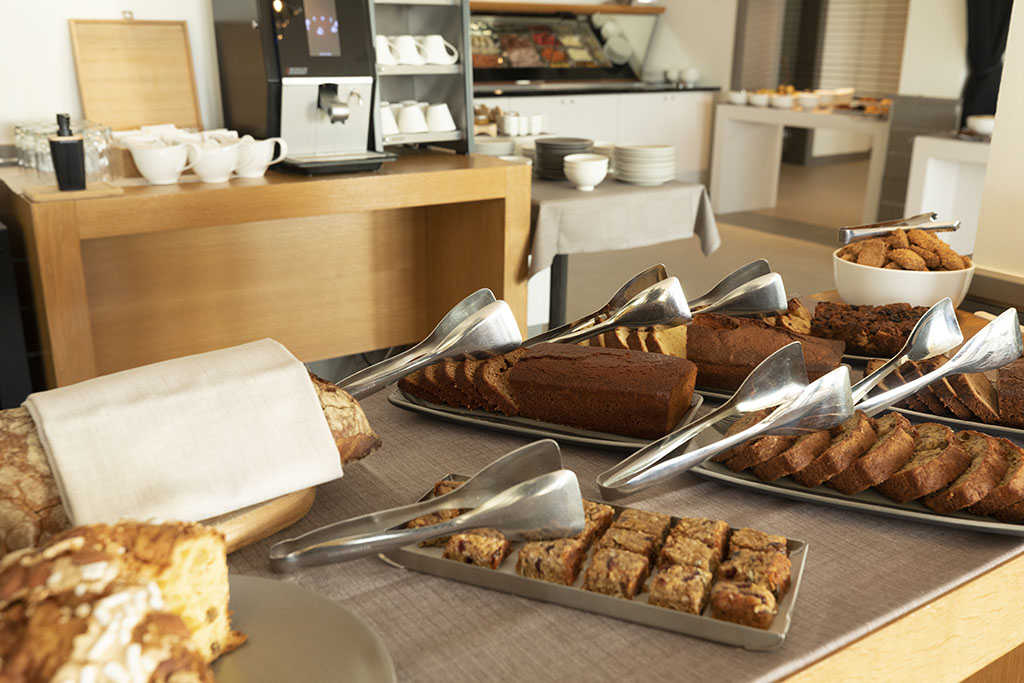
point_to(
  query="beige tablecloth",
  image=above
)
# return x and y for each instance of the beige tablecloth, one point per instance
(616, 216)
(862, 571)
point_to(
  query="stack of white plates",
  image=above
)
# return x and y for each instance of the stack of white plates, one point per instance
(494, 147)
(645, 164)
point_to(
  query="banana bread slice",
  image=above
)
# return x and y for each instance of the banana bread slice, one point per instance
(978, 394)
(912, 371)
(415, 384)
(895, 379)
(1010, 488)
(798, 456)
(895, 446)
(1011, 513)
(492, 381)
(756, 452)
(983, 474)
(938, 459)
(849, 441)
(745, 421)
(1010, 391)
(444, 377)
(944, 391)
(464, 375)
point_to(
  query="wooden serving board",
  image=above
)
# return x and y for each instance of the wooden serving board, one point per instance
(256, 522)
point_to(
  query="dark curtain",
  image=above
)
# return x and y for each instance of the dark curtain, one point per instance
(988, 22)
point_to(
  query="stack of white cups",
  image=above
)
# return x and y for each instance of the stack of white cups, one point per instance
(410, 117)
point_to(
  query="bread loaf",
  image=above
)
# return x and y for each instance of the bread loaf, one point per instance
(139, 602)
(30, 506)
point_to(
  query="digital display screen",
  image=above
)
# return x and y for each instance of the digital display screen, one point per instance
(322, 28)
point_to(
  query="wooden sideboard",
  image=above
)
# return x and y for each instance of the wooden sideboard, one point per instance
(328, 265)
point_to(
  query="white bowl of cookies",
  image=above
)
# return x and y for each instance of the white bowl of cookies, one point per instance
(912, 266)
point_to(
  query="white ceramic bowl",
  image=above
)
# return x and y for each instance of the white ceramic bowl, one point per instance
(759, 99)
(866, 285)
(782, 101)
(842, 96)
(807, 100)
(738, 96)
(982, 124)
(826, 98)
(585, 170)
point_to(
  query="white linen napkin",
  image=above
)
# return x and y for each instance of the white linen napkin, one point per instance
(189, 438)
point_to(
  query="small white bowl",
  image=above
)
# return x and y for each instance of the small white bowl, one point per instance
(867, 285)
(738, 96)
(842, 96)
(982, 124)
(759, 99)
(826, 98)
(782, 101)
(807, 100)
(585, 170)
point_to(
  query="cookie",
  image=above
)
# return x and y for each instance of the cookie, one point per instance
(907, 259)
(872, 253)
(931, 259)
(897, 239)
(924, 239)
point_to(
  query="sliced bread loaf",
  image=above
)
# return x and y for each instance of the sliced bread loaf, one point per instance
(981, 476)
(464, 375)
(798, 456)
(912, 371)
(491, 380)
(937, 460)
(1010, 513)
(944, 391)
(746, 421)
(1010, 488)
(978, 394)
(755, 452)
(670, 341)
(892, 450)
(415, 384)
(849, 441)
(1010, 391)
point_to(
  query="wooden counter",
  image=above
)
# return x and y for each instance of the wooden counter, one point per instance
(328, 266)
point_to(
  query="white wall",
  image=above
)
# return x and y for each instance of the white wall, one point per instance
(38, 69)
(934, 49)
(1000, 240)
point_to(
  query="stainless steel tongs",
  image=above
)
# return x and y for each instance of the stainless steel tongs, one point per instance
(822, 404)
(923, 221)
(478, 325)
(525, 493)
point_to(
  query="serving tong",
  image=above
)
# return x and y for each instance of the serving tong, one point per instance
(478, 326)
(525, 494)
(922, 221)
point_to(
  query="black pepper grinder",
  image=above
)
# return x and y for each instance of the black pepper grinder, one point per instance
(68, 152)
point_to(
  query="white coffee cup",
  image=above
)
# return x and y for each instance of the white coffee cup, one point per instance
(412, 120)
(255, 156)
(439, 118)
(161, 164)
(395, 107)
(538, 122)
(386, 55)
(407, 50)
(388, 123)
(215, 163)
(436, 50)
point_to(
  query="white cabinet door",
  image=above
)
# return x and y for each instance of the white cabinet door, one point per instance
(682, 119)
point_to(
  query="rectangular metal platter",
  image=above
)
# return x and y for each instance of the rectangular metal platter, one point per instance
(867, 501)
(525, 426)
(506, 580)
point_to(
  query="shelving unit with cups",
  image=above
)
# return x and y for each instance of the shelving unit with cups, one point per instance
(401, 84)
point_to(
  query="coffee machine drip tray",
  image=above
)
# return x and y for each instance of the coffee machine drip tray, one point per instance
(311, 164)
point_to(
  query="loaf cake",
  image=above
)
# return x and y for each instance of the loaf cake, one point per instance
(799, 455)
(1010, 391)
(985, 471)
(938, 459)
(619, 391)
(1009, 489)
(30, 508)
(879, 331)
(893, 449)
(142, 602)
(849, 441)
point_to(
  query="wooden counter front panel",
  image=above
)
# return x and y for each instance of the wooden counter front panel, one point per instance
(163, 295)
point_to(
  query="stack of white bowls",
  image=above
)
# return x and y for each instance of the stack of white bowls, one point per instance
(494, 147)
(645, 164)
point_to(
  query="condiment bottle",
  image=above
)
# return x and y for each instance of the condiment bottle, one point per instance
(68, 152)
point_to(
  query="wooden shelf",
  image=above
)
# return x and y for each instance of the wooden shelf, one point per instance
(420, 138)
(544, 8)
(425, 70)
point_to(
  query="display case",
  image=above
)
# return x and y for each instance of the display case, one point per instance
(556, 43)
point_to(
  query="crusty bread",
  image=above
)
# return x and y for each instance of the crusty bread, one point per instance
(849, 441)
(1010, 488)
(798, 456)
(983, 474)
(30, 506)
(938, 459)
(85, 597)
(892, 450)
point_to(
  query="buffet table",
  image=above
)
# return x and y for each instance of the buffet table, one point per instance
(329, 266)
(747, 151)
(880, 598)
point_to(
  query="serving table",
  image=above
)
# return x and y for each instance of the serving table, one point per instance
(881, 599)
(747, 150)
(328, 266)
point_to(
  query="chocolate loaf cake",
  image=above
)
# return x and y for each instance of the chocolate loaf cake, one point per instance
(610, 390)
(879, 331)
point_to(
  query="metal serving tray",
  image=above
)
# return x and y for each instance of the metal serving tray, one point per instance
(525, 426)
(504, 579)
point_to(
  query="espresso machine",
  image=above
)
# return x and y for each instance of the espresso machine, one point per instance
(304, 70)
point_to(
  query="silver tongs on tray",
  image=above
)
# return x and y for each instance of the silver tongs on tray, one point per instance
(478, 326)
(995, 345)
(652, 298)
(525, 494)
(923, 221)
(822, 404)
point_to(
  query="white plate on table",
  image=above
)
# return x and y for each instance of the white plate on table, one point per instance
(528, 427)
(297, 635)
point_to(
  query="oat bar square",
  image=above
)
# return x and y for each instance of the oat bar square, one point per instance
(681, 588)
(713, 533)
(631, 541)
(599, 518)
(688, 552)
(616, 572)
(482, 547)
(771, 570)
(751, 539)
(557, 561)
(743, 603)
(653, 523)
